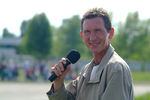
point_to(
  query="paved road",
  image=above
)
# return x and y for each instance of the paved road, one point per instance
(37, 91)
(140, 89)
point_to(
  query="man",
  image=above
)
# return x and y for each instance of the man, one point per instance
(106, 77)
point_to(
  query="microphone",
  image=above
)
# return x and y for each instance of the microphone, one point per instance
(72, 57)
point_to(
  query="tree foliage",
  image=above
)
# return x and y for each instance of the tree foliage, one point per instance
(133, 39)
(7, 34)
(23, 27)
(68, 37)
(38, 37)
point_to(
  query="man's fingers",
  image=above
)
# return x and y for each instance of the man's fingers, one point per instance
(58, 69)
(61, 66)
(54, 70)
(63, 60)
(67, 69)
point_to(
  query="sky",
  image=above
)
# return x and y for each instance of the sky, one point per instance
(13, 12)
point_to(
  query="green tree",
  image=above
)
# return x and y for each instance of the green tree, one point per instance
(38, 37)
(133, 39)
(141, 42)
(6, 33)
(126, 32)
(23, 27)
(68, 37)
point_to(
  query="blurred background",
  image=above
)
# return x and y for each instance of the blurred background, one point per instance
(36, 34)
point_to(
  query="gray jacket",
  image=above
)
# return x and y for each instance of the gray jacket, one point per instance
(113, 81)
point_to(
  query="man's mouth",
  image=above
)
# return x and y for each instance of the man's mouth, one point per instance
(94, 44)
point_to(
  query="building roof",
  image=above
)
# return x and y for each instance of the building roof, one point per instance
(10, 41)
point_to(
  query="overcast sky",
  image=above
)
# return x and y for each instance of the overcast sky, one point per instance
(13, 12)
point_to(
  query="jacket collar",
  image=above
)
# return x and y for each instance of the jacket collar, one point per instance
(103, 63)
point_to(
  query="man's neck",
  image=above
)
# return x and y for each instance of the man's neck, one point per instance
(98, 56)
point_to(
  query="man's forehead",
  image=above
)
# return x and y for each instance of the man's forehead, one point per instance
(93, 22)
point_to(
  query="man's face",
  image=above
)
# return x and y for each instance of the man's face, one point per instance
(95, 35)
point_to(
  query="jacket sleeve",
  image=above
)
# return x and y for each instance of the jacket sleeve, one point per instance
(63, 93)
(119, 86)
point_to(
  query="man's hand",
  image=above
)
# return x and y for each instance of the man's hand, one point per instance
(58, 69)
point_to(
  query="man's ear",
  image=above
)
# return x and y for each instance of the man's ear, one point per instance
(111, 33)
(81, 34)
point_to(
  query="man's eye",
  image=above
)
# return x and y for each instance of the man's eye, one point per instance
(87, 32)
(97, 30)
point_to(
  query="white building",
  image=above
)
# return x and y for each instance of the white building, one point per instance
(9, 47)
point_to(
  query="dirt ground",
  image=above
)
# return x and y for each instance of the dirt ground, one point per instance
(37, 91)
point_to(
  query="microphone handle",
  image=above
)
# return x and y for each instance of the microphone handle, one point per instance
(54, 76)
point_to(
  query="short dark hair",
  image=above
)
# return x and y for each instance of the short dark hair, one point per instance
(97, 12)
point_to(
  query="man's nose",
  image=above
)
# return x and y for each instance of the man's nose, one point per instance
(92, 36)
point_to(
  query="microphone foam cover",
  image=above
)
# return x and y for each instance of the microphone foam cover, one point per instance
(73, 56)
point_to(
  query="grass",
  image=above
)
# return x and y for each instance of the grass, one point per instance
(143, 97)
(138, 77)
(141, 77)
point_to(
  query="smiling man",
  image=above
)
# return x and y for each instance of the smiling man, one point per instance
(106, 77)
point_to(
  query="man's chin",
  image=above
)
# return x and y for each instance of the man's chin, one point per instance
(94, 50)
